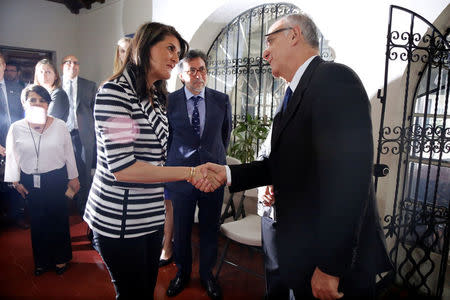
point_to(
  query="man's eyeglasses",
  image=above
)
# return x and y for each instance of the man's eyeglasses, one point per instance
(193, 71)
(268, 40)
(68, 62)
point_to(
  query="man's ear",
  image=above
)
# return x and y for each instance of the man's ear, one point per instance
(296, 35)
(180, 75)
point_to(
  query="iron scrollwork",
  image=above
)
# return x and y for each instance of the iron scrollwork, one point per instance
(419, 144)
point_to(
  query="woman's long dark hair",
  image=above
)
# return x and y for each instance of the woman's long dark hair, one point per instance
(138, 56)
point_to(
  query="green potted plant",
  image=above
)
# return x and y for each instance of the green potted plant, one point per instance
(245, 137)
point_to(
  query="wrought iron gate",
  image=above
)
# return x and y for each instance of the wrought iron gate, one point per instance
(414, 148)
(236, 66)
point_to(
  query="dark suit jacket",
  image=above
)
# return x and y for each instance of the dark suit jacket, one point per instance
(13, 91)
(321, 169)
(59, 107)
(185, 148)
(85, 117)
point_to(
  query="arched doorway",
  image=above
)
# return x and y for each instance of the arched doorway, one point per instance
(236, 66)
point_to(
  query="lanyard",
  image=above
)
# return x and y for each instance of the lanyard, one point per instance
(38, 147)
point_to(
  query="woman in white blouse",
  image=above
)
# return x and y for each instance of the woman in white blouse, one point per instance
(40, 163)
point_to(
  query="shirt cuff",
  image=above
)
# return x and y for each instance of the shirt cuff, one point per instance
(227, 169)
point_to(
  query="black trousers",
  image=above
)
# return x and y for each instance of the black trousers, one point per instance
(275, 288)
(209, 208)
(13, 203)
(132, 263)
(49, 218)
(85, 183)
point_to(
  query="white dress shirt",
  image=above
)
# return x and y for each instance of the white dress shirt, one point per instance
(72, 122)
(201, 107)
(55, 150)
(5, 94)
(3, 85)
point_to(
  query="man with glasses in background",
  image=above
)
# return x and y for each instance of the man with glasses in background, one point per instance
(199, 132)
(80, 123)
(11, 110)
(12, 73)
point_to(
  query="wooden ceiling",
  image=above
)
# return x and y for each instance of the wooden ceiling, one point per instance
(75, 5)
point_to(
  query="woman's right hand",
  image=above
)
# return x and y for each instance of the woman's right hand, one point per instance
(21, 189)
(74, 185)
(205, 180)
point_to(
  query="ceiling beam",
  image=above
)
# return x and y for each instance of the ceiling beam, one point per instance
(75, 5)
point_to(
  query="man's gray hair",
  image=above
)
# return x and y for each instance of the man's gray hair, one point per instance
(309, 29)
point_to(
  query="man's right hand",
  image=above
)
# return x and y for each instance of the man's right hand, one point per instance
(213, 175)
(2, 150)
(325, 286)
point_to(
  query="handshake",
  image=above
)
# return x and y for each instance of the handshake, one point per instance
(208, 177)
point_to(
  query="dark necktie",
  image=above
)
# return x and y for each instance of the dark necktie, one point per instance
(287, 96)
(196, 115)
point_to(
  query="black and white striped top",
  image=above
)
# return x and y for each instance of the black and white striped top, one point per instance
(127, 129)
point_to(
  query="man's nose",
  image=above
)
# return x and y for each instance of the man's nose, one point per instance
(266, 54)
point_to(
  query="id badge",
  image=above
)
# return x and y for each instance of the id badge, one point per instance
(37, 181)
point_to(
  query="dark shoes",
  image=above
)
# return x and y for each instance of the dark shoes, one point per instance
(165, 262)
(39, 271)
(61, 270)
(176, 285)
(22, 224)
(212, 288)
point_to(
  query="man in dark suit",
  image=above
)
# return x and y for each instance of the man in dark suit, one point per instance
(329, 240)
(12, 73)
(10, 105)
(80, 122)
(200, 127)
(11, 110)
(275, 287)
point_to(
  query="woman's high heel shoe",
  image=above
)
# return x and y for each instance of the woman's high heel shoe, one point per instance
(165, 262)
(61, 270)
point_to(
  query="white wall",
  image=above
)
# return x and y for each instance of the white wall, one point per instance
(356, 29)
(38, 24)
(99, 29)
(135, 13)
(90, 35)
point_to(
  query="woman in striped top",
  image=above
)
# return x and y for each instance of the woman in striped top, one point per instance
(125, 208)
